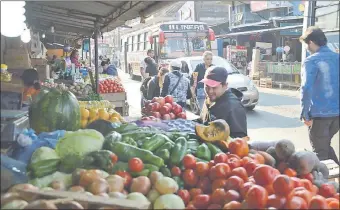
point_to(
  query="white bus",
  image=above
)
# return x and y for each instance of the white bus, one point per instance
(325, 15)
(169, 41)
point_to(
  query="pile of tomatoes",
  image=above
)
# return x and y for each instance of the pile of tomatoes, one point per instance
(245, 182)
(111, 86)
(163, 108)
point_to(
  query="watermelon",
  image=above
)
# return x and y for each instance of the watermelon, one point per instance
(54, 109)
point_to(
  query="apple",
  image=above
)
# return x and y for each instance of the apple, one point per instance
(149, 107)
(156, 115)
(182, 115)
(152, 118)
(174, 104)
(161, 101)
(145, 118)
(164, 110)
(156, 106)
(166, 117)
(168, 105)
(147, 103)
(169, 99)
(177, 109)
(172, 115)
(154, 99)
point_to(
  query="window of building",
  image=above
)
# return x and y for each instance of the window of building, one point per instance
(326, 11)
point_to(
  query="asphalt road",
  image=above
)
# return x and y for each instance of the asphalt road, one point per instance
(276, 116)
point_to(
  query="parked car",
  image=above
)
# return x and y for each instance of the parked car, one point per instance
(235, 80)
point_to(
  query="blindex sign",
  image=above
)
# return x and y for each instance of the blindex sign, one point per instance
(184, 27)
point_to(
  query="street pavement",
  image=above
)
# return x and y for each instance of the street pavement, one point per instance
(276, 116)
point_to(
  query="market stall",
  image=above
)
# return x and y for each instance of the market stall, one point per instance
(154, 163)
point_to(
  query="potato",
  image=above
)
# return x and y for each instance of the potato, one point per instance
(41, 204)
(76, 189)
(10, 196)
(141, 184)
(58, 185)
(116, 183)
(26, 196)
(99, 186)
(155, 176)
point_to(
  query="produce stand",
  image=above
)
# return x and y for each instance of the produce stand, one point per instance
(119, 101)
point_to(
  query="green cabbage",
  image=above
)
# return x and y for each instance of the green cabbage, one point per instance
(79, 143)
(43, 153)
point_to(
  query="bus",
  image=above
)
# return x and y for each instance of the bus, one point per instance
(169, 40)
(325, 15)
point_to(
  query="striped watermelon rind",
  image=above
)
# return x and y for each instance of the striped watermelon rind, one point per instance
(55, 110)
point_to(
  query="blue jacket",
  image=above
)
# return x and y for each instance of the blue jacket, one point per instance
(320, 85)
(111, 70)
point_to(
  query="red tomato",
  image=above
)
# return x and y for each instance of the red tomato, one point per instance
(185, 195)
(114, 158)
(219, 196)
(240, 172)
(127, 177)
(202, 169)
(136, 165)
(176, 171)
(222, 170)
(189, 161)
(220, 158)
(244, 190)
(234, 183)
(257, 197)
(194, 192)
(201, 201)
(211, 163)
(327, 190)
(218, 183)
(204, 184)
(233, 162)
(190, 178)
(232, 195)
(296, 203)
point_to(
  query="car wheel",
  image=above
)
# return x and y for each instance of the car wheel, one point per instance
(251, 108)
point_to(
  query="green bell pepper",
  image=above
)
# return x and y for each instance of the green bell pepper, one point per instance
(203, 152)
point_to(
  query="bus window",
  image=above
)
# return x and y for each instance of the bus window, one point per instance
(145, 40)
(174, 46)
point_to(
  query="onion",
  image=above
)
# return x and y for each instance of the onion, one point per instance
(98, 186)
(117, 195)
(136, 196)
(141, 184)
(169, 201)
(155, 176)
(153, 195)
(116, 183)
(166, 185)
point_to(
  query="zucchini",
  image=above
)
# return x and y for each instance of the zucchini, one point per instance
(178, 151)
(167, 146)
(151, 167)
(125, 152)
(144, 172)
(164, 154)
(155, 142)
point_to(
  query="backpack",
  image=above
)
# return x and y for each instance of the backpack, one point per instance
(144, 86)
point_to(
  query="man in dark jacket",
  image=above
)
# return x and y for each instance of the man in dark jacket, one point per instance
(222, 103)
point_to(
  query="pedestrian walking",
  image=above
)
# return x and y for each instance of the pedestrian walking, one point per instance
(320, 93)
(176, 84)
(151, 67)
(198, 75)
(150, 53)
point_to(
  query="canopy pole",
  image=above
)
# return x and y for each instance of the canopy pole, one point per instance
(96, 32)
(90, 56)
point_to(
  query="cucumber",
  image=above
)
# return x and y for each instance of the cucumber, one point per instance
(164, 154)
(213, 149)
(125, 152)
(165, 171)
(151, 167)
(155, 142)
(167, 146)
(144, 172)
(178, 151)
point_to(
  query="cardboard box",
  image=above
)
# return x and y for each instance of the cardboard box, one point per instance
(17, 61)
(38, 61)
(14, 42)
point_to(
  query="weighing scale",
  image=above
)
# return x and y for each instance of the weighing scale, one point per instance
(13, 122)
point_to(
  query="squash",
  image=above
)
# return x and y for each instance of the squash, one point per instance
(272, 152)
(303, 162)
(321, 167)
(269, 160)
(217, 130)
(284, 149)
(261, 145)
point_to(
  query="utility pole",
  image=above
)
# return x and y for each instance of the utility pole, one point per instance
(196, 10)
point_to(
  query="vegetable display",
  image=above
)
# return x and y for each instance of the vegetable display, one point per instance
(176, 170)
(54, 110)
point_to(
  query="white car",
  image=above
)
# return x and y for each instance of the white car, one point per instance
(235, 79)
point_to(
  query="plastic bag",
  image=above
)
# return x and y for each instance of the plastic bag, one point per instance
(12, 172)
(50, 140)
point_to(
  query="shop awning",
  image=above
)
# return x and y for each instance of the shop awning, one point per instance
(259, 31)
(75, 19)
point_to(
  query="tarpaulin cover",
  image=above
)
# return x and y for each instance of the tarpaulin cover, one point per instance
(170, 125)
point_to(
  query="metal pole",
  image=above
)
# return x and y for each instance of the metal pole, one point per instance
(90, 56)
(96, 57)
(82, 50)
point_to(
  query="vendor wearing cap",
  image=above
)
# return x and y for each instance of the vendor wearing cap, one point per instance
(222, 103)
(176, 84)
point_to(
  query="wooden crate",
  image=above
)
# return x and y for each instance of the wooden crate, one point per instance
(266, 83)
(119, 102)
(333, 168)
(257, 82)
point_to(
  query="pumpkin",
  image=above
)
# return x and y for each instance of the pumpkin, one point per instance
(53, 110)
(217, 130)
(284, 149)
(303, 162)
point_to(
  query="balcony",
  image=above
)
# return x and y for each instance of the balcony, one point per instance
(245, 18)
